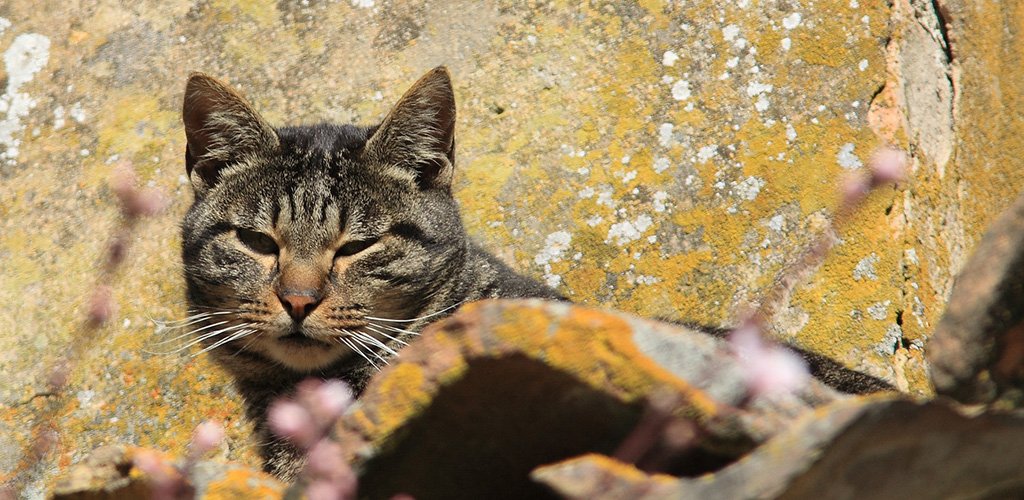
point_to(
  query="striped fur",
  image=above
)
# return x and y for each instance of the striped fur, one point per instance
(313, 190)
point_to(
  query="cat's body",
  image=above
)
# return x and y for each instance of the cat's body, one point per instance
(319, 251)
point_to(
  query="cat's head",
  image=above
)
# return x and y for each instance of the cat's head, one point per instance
(302, 240)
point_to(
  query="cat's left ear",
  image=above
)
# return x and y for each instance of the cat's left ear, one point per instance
(417, 138)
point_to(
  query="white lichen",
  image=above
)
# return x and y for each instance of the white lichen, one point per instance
(756, 88)
(77, 113)
(554, 246)
(669, 58)
(865, 269)
(658, 200)
(847, 159)
(26, 56)
(661, 164)
(628, 231)
(791, 21)
(762, 103)
(707, 152)
(790, 132)
(730, 32)
(665, 134)
(681, 90)
(748, 188)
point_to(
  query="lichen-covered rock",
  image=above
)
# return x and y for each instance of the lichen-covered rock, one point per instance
(664, 158)
(977, 352)
(881, 448)
(505, 386)
(110, 473)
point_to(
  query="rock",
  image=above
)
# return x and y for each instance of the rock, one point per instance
(880, 448)
(504, 386)
(110, 473)
(665, 159)
(977, 351)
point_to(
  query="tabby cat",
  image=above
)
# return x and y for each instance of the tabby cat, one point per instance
(319, 250)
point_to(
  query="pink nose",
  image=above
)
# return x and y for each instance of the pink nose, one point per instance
(299, 303)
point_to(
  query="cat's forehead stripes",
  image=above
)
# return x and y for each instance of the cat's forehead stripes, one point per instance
(309, 218)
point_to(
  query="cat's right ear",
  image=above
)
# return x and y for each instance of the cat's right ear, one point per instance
(221, 128)
(417, 138)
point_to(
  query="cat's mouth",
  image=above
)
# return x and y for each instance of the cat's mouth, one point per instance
(299, 339)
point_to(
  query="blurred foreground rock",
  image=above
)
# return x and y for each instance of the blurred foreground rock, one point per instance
(977, 352)
(110, 474)
(874, 448)
(533, 399)
(505, 386)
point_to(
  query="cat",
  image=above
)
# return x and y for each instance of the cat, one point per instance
(321, 250)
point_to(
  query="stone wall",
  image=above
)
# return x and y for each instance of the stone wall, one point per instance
(663, 158)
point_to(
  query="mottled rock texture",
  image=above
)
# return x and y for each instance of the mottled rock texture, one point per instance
(977, 353)
(663, 158)
(504, 387)
(109, 473)
(848, 450)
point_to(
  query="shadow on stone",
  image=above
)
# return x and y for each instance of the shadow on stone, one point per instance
(482, 435)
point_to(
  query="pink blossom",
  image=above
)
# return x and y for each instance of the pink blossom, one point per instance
(59, 375)
(149, 202)
(164, 485)
(332, 398)
(854, 189)
(207, 436)
(291, 421)
(323, 490)
(326, 459)
(135, 203)
(888, 166)
(101, 305)
(767, 368)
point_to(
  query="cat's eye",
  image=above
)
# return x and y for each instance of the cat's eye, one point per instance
(353, 247)
(257, 241)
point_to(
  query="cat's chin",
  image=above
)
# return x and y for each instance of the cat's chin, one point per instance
(303, 356)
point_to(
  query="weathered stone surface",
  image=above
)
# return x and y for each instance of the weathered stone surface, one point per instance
(850, 449)
(109, 473)
(663, 158)
(977, 352)
(504, 386)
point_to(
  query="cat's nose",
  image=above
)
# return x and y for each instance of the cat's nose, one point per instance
(299, 303)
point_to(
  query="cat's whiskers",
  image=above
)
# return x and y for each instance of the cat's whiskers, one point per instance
(352, 345)
(235, 336)
(193, 332)
(372, 342)
(379, 331)
(395, 329)
(201, 338)
(413, 320)
(195, 341)
(363, 341)
(186, 321)
(249, 343)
